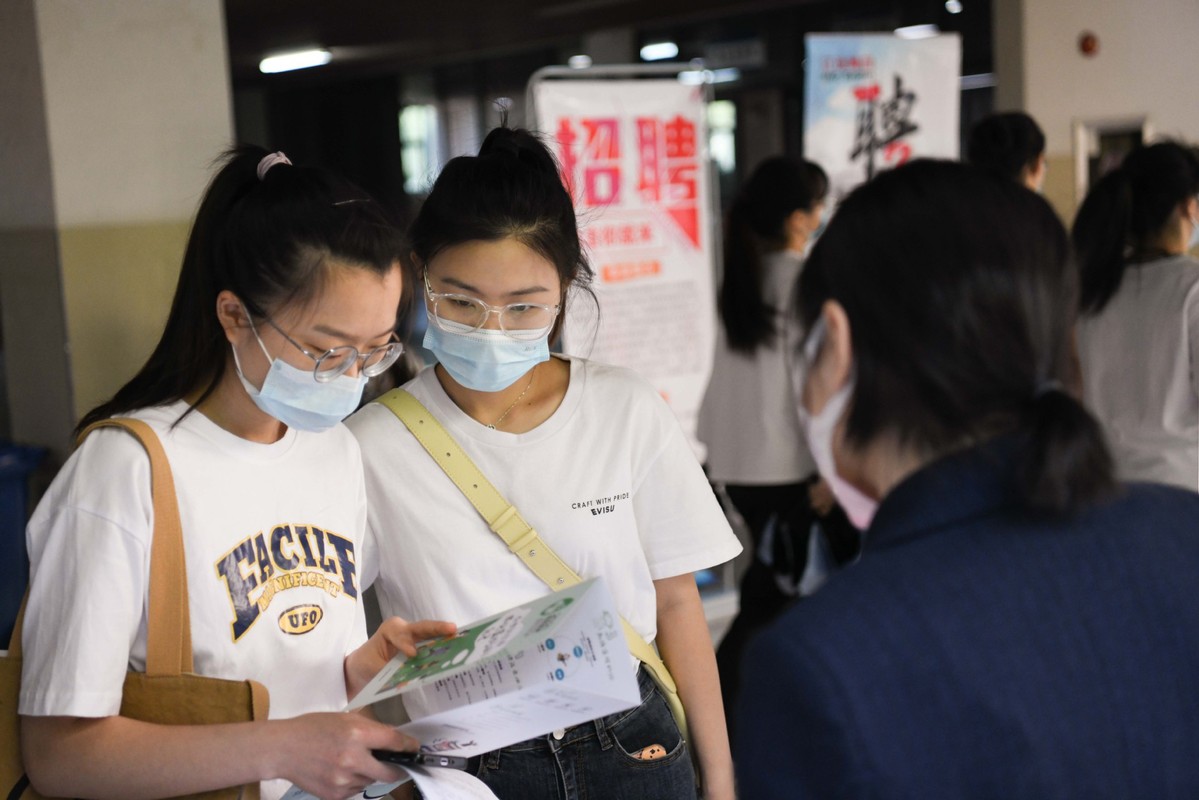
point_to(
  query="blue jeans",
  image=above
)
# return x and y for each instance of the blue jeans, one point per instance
(595, 761)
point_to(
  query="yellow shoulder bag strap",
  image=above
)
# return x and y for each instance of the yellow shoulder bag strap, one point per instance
(505, 521)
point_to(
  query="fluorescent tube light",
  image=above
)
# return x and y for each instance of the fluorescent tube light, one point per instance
(301, 59)
(657, 51)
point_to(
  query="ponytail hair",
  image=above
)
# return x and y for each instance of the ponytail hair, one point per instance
(756, 225)
(1124, 215)
(270, 232)
(1064, 441)
(1101, 237)
(961, 298)
(511, 190)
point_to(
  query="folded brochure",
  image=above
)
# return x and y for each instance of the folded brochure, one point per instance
(556, 661)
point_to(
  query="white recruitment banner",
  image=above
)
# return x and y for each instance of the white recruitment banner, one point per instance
(634, 155)
(873, 101)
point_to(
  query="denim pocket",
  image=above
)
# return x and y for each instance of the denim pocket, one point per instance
(651, 723)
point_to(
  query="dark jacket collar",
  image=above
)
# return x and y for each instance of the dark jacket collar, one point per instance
(947, 492)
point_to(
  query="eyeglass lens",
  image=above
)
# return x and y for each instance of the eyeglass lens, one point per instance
(516, 319)
(339, 359)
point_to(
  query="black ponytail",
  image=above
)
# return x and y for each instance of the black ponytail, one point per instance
(1101, 240)
(1124, 215)
(1065, 464)
(749, 321)
(756, 226)
(270, 240)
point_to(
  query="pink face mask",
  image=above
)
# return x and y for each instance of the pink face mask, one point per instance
(818, 428)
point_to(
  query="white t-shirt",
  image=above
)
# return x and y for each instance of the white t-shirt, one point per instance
(1140, 370)
(749, 418)
(271, 534)
(608, 481)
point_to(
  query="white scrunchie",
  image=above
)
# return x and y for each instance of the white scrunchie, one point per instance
(271, 160)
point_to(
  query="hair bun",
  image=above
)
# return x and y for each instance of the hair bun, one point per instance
(501, 141)
(521, 145)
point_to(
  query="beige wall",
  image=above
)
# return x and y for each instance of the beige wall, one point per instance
(119, 280)
(1145, 66)
(137, 106)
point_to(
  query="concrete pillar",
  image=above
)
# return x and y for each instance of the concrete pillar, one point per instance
(114, 112)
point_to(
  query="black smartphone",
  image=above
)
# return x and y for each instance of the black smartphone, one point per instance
(406, 759)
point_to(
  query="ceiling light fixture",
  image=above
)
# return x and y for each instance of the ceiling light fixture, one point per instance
(657, 51)
(953, 6)
(300, 59)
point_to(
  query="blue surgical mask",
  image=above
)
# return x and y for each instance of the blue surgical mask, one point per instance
(294, 397)
(481, 359)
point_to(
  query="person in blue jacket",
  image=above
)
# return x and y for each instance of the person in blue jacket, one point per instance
(1020, 625)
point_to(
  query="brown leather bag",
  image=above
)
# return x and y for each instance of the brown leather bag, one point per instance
(168, 692)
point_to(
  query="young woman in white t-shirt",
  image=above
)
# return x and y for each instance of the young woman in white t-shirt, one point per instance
(748, 421)
(286, 304)
(1138, 336)
(589, 454)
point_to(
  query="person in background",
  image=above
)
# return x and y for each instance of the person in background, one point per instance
(1139, 334)
(1019, 625)
(756, 450)
(1010, 145)
(286, 304)
(589, 454)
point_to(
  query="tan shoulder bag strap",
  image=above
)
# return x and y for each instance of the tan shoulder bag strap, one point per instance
(500, 515)
(14, 640)
(168, 635)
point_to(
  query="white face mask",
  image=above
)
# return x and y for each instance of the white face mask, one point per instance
(1194, 242)
(819, 429)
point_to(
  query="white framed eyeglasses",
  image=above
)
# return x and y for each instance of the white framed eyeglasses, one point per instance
(336, 361)
(520, 321)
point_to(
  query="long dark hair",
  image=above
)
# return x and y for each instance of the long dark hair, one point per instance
(1006, 144)
(271, 241)
(1125, 212)
(961, 298)
(511, 190)
(756, 225)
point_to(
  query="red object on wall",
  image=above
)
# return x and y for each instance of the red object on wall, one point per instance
(1088, 43)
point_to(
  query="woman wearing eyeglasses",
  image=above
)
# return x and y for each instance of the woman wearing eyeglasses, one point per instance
(589, 454)
(286, 305)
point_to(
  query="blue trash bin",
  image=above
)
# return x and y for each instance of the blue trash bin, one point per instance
(17, 463)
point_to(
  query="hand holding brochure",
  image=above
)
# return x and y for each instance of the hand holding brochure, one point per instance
(554, 662)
